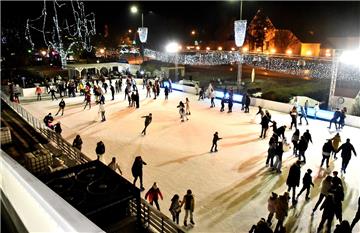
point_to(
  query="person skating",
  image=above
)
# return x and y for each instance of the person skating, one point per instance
(153, 195)
(281, 211)
(306, 107)
(52, 91)
(154, 90)
(346, 150)
(293, 179)
(326, 151)
(342, 118)
(216, 138)
(295, 140)
(265, 120)
(272, 201)
(271, 152)
(88, 100)
(148, 120)
(335, 143)
(335, 118)
(307, 183)
(113, 165)
(175, 208)
(189, 204)
(261, 227)
(302, 146)
(61, 107)
(102, 112)
(303, 115)
(112, 89)
(336, 181)
(212, 97)
(307, 136)
(338, 192)
(280, 132)
(328, 214)
(201, 94)
(38, 92)
(293, 115)
(278, 154)
(247, 103)
(57, 128)
(133, 99)
(324, 191)
(316, 110)
(77, 143)
(137, 171)
(222, 104)
(357, 216)
(187, 106)
(166, 91)
(100, 151)
(260, 111)
(137, 99)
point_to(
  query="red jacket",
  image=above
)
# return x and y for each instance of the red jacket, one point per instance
(153, 194)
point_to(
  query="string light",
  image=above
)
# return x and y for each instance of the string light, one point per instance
(56, 31)
(320, 69)
(240, 31)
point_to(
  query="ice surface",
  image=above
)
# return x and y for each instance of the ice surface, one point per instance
(231, 187)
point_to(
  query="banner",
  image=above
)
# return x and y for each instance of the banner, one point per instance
(240, 31)
(143, 32)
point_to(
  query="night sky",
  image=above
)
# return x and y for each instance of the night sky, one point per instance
(310, 21)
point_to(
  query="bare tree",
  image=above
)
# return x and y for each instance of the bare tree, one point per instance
(64, 26)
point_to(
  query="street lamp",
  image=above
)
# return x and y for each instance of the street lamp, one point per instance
(174, 47)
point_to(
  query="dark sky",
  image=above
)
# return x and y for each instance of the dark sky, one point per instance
(174, 20)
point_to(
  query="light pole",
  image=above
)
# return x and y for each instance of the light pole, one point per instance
(134, 10)
(173, 48)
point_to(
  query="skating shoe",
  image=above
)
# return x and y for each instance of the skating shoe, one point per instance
(307, 198)
(192, 222)
(185, 223)
(216, 150)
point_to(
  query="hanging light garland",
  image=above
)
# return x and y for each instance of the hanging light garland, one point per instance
(315, 68)
(62, 36)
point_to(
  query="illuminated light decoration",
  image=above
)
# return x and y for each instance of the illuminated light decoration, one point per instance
(273, 50)
(172, 47)
(188, 48)
(245, 49)
(180, 47)
(130, 31)
(289, 52)
(318, 68)
(232, 49)
(258, 50)
(207, 48)
(351, 58)
(43, 52)
(58, 33)
(308, 53)
(197, 47)
(143, 33)
(220, 48)
(102, 51)
(240, 31)
(134, 9)
(193, 32)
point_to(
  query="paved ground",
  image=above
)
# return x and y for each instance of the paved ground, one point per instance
(231, 187)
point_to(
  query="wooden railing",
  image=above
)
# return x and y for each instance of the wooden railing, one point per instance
(66, 148)
(153, 219)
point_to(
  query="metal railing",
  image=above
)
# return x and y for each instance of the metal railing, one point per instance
(70, 151)
(154, 219)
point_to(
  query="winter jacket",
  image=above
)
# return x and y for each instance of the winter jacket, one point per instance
(282, 207)
(303, 144)
(294, 176)
(307, 180)
(346, 150)
(281, 131)
(272, 204)
(100, 149)
(328, 207)
(307, 136)
(265, 120)
(216, 138)
(175, 207)
(153, 194)
(325, 187)
(295, 137)
(137, 166)
(336, 141)
(57, 128)
(77, 143)
(188, 202)
(327, 149)
(62, 104)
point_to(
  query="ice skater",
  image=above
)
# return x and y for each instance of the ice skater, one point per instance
(100, 151)
(38, 92)
(175, 208)
(113, 165)
(88, 100)
(61, 107)
(153, 196)
(293, 179)
(293, 115)
(326, 151)
(187, 105)
(137, 171)
(52, 91)
(212, 97)
(112, 89)
(346, 150)
(166, 91)
(303, 115)
(189, 203)
(307, 182)
(102, 112)
(216, 138)
(148, 120)
(357, 216)
(223, 100)
(335, 118)
(271, 207)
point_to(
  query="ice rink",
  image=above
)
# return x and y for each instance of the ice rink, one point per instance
(231, 187)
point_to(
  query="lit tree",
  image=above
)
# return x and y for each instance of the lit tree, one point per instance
(64, 26)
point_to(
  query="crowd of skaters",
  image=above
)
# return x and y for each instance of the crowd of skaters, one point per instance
(277, 146)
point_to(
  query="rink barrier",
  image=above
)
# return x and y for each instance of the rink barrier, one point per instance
(323, 115)
(153, 219)
(66, 148)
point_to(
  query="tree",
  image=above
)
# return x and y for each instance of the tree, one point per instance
(63, 26)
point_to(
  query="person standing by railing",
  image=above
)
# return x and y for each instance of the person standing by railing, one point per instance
(77, 143)
(153, 195)
(175, 208)
(100, 151)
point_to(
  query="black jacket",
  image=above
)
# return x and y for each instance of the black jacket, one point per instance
(294, 176)
(100, 149)
(307, 180)
(346, 150)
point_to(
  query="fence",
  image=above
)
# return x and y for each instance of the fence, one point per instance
(70, 151)
(154, 219)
